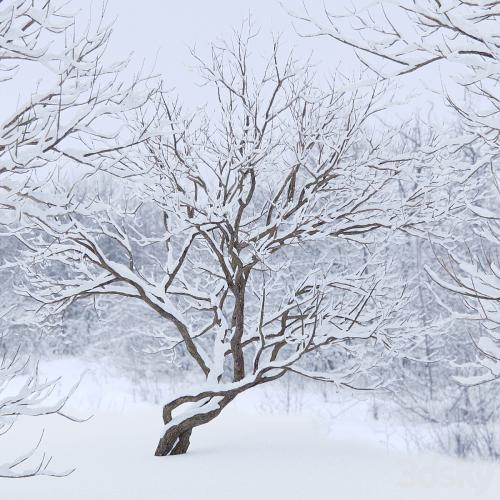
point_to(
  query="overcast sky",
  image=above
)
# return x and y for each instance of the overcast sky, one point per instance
(165, 29)
(169, 28)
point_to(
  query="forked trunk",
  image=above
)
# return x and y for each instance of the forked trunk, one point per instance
(178, 429)
(174, 442)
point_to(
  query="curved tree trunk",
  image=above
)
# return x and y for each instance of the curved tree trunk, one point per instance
(174, 442)
(204, 407)
(178, 429)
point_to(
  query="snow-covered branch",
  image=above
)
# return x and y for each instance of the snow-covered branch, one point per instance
(397, 38)
(24, 393)
(71, 117)
(228, 229)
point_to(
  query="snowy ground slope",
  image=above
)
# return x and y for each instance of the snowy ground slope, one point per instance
(239, 456)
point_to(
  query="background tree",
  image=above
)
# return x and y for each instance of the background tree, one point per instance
(70, 115)
(399, 38)
(64, 128)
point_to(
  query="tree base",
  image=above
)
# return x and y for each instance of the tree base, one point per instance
(174, 443)
(176, 438)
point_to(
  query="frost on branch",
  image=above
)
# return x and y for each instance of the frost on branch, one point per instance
(394, 38)
(473, 275)
(71, 115)
(255, 228)
(24, 394)
(397, 38)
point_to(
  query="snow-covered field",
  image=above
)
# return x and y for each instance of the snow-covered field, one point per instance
(244, 454)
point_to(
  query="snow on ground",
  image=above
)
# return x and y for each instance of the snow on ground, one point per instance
(242, 455)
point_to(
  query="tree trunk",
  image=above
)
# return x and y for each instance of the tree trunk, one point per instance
(174, 442)
(178, 429)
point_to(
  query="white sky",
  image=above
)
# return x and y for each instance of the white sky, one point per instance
(169, 28)
(166, 29)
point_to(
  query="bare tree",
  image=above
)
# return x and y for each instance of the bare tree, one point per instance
(473, 274)
(463, 32)
(227, 233)
(70, 116)
(408, 35)
(68, 125)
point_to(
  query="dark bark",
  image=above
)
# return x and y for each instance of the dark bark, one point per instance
(174, 442)
(239, 327)
(176, 439)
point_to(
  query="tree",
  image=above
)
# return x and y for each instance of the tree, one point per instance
(473, 274)
(71, 116)
(68, 125)
(227, 228)
(464, 32)
(403, 37)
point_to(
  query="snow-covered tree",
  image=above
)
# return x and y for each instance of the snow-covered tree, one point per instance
(473, 274)
(69, 115)
(399, 38)
(61, 103)
(227, 228)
